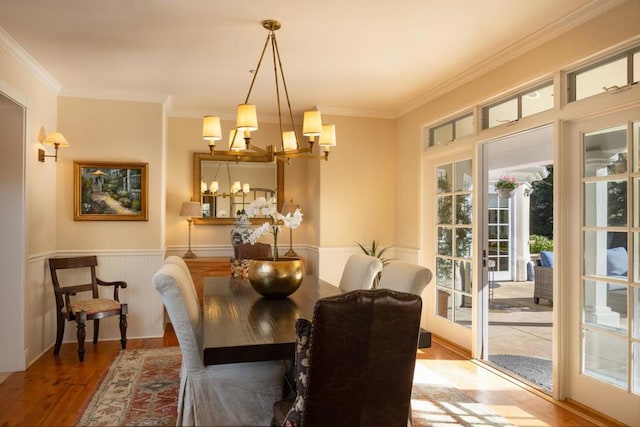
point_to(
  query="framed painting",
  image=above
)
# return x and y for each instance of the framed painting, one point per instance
(110, 191)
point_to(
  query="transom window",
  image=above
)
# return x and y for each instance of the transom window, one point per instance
(610, 74)
(521, 105)
(451, 130)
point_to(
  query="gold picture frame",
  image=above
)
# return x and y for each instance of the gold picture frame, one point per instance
(110, 191)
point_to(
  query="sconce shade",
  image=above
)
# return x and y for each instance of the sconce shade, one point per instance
(289, 207)
(289, 141)
(236, 140)
(328, 136)
(56, 138)
(247, 118)
(191, 209)
(211, 130)
(312, 123)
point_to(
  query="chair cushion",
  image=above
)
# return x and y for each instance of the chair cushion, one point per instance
(617, 262)
(303, 335)
(546, 258)
(93, 306)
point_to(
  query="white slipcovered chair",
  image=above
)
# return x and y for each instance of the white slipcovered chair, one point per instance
(405, 277)
(359, 272)
(230, 394)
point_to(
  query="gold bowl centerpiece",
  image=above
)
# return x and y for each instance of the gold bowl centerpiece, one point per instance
(276, 279)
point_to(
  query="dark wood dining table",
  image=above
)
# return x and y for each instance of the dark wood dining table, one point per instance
(242, 326)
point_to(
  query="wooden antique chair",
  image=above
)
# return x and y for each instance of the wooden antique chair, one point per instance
(81, 310)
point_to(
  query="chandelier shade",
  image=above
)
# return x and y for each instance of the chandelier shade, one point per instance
(247, 121)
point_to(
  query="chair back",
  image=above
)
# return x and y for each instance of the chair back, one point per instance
(359, 272)
(181, 302)
(405, 277)
(249, 251)
(361, 359)
(82, 262)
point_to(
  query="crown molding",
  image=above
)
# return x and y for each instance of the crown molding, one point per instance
(116, 95)
(374, 114)
(27, 61)
(520, 47)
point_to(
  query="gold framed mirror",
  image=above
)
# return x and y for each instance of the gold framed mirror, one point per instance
(225, 184)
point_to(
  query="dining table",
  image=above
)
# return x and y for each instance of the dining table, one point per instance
(240, 325)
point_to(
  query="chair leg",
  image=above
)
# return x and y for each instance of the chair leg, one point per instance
(81, 319)
(96, 330)
(59, 334)
(123, 325)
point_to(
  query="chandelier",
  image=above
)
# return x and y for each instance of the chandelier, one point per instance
(247, 121)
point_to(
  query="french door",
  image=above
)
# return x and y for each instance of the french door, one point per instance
(601, 274)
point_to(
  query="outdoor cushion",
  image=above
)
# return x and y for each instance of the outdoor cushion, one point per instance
(617, 262)
(546, 258)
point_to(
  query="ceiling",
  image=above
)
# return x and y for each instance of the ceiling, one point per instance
(359, 57)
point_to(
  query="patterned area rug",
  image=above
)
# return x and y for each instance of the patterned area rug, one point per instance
(141, 389)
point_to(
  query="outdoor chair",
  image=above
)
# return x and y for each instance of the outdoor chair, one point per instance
(354, 361)
(80, 310)
(359, 272)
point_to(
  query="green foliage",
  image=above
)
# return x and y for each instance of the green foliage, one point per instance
(539, 243)
(376, 251)
(541, 207)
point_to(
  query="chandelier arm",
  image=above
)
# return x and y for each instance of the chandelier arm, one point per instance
(286, 91)
(255, 74)
(275, 76)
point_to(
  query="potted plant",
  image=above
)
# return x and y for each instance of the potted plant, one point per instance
(506, 185)
(376, 251)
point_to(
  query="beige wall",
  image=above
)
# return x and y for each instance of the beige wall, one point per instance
(618, 25)
(357, 194)
(116, 131)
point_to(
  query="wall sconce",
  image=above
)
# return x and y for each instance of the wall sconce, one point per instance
(56, 139)
(190, 210)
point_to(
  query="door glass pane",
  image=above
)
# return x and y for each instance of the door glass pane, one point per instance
(636, 258)
(444, 210)
(605, 152)
(605, 203)
(636, 67)
(445, 241)
(463, 209)
(605, 305)
(636, 145)
(443, 307)
(464, 181)
(636, 368)
(635, 297)
(605, 357)
(444, 177)
(605, 254)
(444, 272)
(463, 243)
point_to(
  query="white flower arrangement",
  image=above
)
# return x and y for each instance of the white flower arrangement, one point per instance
(263, 207)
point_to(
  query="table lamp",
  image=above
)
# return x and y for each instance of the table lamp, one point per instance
(190, 210)
(290, 207)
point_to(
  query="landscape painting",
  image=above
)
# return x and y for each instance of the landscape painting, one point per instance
(108, 191)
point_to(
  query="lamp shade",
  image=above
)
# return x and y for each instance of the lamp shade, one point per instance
(236, 140)
(211, 128)
(289, 141)
(191, 209)
(56, 138)
(328, 136)
(247, 119)
(312, 124)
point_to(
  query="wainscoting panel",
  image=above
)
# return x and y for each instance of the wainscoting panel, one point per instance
(146, 311)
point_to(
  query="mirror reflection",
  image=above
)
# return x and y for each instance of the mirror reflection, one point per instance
(226, 186)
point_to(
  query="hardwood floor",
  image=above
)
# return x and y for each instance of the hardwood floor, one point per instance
(55, 390)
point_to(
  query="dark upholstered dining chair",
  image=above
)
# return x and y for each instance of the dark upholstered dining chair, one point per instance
(91, 307)
(354, 362)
